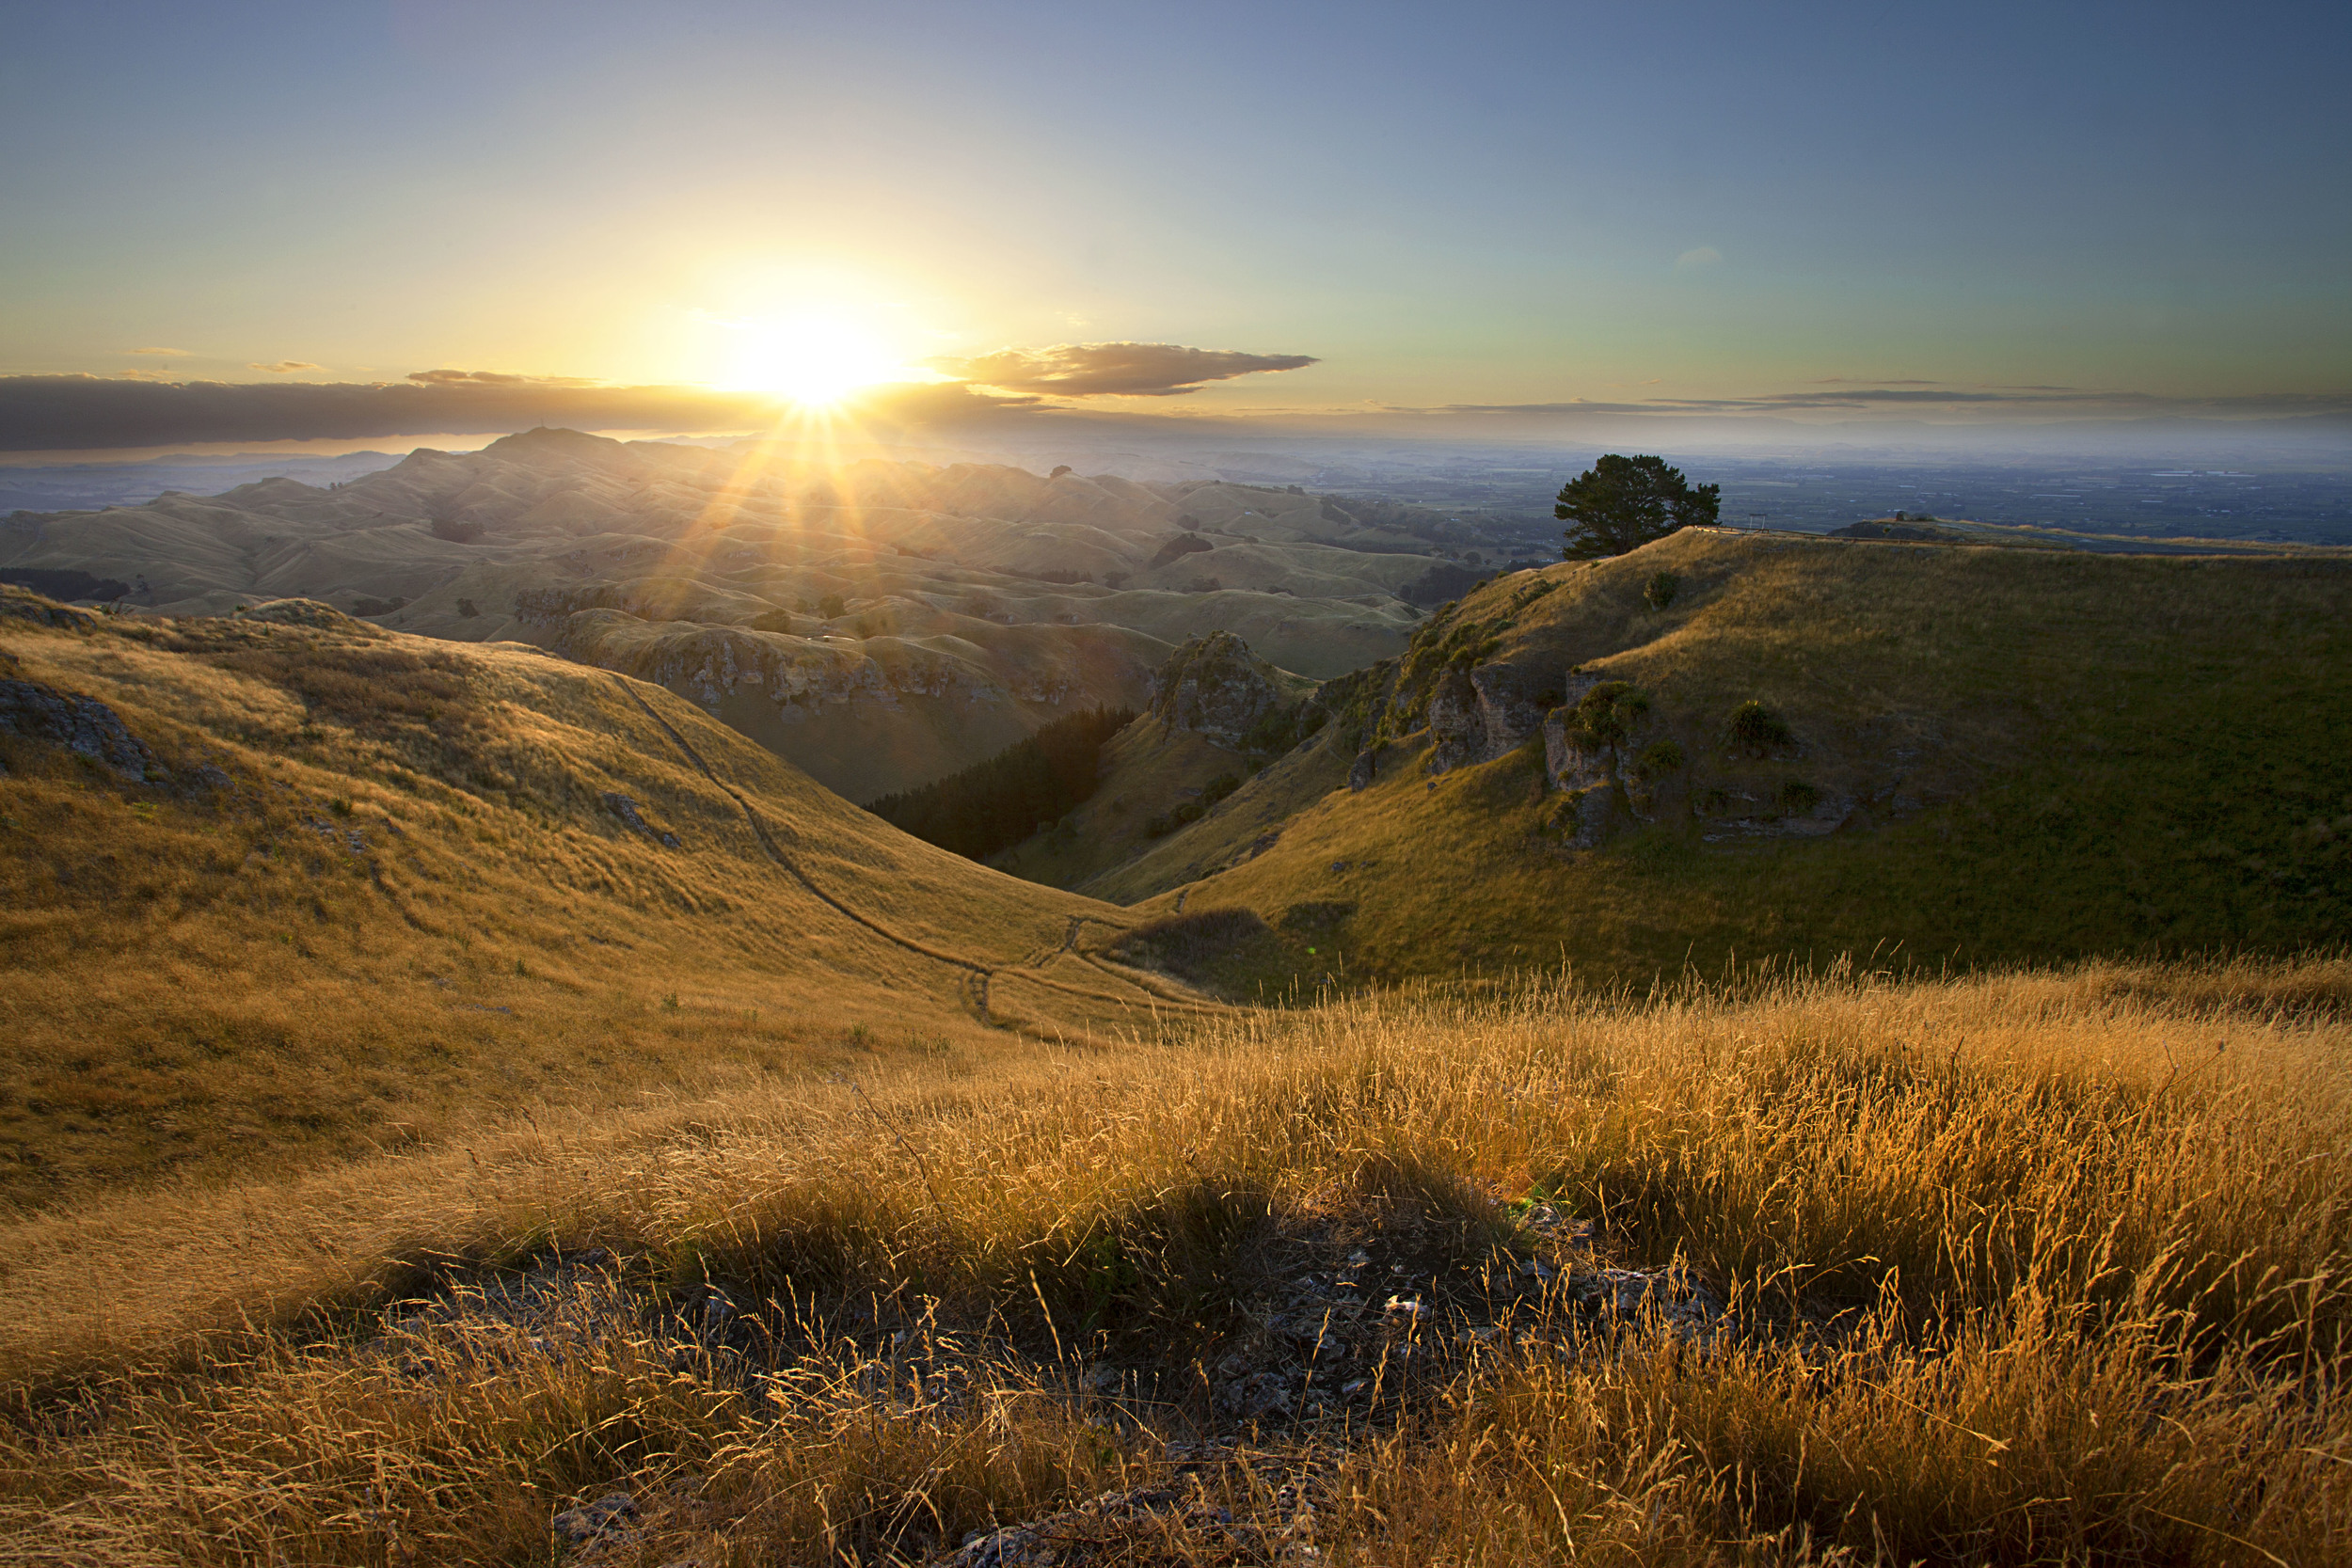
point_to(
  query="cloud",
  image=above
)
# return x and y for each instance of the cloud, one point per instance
(1699, 260)
(166, 353)
(1113, 370)
(48, 412)
(495, 379)
(285, 367)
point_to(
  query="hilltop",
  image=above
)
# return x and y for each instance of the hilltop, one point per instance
(1938, 753)
(285, 886)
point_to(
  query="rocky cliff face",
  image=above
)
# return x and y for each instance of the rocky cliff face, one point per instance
(1614, 764)
(798, 674)
(1479, 712)
(1588, 743)
(1214, 687)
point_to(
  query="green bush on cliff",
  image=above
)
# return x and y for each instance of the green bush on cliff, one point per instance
(1759, 730)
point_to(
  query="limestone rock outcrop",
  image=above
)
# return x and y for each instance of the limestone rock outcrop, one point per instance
(1478, 713)
(1214, 687)
(82, 726)
(24, 605)
(627, 810)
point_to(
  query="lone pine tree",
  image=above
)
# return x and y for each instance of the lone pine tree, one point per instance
(1622, 503)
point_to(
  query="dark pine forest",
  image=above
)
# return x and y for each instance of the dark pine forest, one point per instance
(994, 804)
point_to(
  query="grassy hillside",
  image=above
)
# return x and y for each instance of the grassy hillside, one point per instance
(336, 889)
(2018, 1269)
(1981, 754)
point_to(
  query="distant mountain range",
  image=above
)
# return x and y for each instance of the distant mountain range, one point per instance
(879, 623)
(75, 486)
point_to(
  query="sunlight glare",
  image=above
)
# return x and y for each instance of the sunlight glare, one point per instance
(813, 358)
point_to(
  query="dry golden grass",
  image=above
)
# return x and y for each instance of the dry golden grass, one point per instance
(2042, 1267)
(400, 902)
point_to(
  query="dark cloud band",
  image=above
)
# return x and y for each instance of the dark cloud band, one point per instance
(50, 413)
(1114, 370)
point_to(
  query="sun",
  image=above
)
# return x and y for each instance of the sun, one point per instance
(813, 357)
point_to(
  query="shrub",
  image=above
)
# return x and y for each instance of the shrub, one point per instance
(1606, 715)
(1180, 547)
(1659, 759)
(1661, 590)
(1186, 944)
(1797, 798)
(1278, 729)
(1757, 729)
(1320, 917)
(831, 607)
(468, 608)
(1182, 815)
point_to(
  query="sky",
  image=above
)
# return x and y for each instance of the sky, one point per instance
(2030, 212)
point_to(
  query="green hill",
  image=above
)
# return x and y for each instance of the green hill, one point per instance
(1948, 755)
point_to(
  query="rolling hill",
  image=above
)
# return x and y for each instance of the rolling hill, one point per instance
(283, 886)
(1813, 746)
(878, 623)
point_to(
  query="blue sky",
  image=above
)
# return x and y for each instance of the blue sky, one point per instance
(1491, 204)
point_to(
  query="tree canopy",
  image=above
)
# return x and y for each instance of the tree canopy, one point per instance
(1622, 503)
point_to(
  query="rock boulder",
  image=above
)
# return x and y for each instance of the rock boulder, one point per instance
(83, 725)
